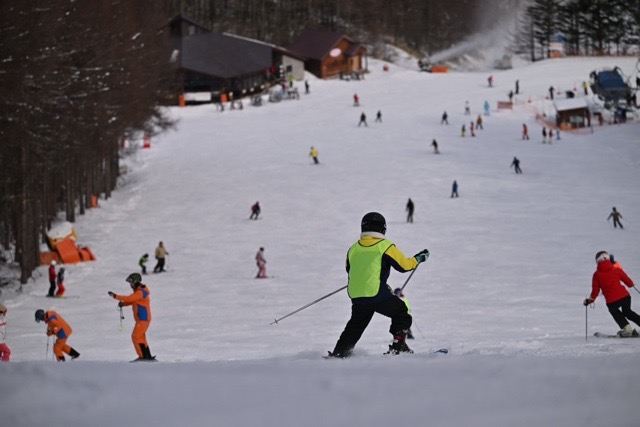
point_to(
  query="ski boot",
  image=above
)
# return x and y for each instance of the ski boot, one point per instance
(399, 344)
(627, 332)
(74, 354)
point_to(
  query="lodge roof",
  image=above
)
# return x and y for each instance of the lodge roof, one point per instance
(223, 55)
(316, 44)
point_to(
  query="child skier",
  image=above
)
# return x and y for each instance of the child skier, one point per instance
(525, 132)
(398, 292)
(369, 261)
(607, 278)
(140, 302)
(142, 262)
(60, 280)
(5, 351)
(57, 326)
(479, 122)
(52, 279)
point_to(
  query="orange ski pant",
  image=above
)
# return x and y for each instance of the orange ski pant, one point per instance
(60, 347)
(138, 336)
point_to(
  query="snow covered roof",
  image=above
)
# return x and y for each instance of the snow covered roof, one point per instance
(316, 44)
(570, 104)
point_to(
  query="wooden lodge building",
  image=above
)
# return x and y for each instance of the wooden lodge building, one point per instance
(329, 54)
(212, 66)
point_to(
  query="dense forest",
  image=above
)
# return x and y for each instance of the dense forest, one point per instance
(75, 77)
(587, 27)
(417, 25)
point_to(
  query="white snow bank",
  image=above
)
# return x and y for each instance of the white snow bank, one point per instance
(416, 390)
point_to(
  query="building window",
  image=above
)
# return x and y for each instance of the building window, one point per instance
(289, 68)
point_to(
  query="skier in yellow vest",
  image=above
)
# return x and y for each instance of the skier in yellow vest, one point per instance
(369, 263)
(313, 153)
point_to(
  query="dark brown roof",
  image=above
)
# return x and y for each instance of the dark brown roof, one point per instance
(316, 44)
(223, 56)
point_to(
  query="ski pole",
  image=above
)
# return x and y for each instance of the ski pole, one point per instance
(409, 278)
(121, 317)
(46, 353)
(636, 289)
(308, 305)
(586, 322)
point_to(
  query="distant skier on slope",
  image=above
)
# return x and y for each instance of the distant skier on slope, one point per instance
(525, 132)
(140, 302)
(368, 265)
(608, 278)
(356, 100)
(60, 282)
(378, 116)
(52, 279)
(161, 253)
(516, 165)
(142, 262)
(5, 351)
(261, 262)
(616, 218)
(313, 153)
(479, 122)
(363, 120)
(434, 144)
(445, 119)
(454, 189)
(255, 211)
(409, 209)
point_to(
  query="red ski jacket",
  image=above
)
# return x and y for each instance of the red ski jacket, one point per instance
(607, 279)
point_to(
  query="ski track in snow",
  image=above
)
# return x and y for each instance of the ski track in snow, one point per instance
(511, 261)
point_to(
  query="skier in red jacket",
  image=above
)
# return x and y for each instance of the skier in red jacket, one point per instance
(607, 279)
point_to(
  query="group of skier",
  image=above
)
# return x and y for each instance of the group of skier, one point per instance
(56, 280)
(57, 326)
(160, 255)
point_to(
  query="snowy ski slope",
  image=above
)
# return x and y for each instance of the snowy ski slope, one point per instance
(511, 261)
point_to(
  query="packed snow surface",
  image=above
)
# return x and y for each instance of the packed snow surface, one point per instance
(511, 262)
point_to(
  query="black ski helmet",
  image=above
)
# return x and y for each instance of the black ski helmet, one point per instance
(40, 315)
(373, 221)
(134, 278)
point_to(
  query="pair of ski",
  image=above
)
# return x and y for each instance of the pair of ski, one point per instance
(603, 335)
(330, 355)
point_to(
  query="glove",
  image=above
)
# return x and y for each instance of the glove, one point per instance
(111, 294)
(587, 301)
(120, 304)
(422, 256)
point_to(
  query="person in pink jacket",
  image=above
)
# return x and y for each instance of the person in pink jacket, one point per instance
(5, 351)
(607, 279)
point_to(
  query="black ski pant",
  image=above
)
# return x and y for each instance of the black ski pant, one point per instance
(616, 223)
(159, 266)
(52, 287)
(621, 311)
(361, 315)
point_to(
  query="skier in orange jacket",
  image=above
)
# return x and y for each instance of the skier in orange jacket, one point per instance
(57, 326)
(140, 300)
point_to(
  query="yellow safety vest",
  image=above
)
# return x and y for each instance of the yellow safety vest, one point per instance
(365, 266)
